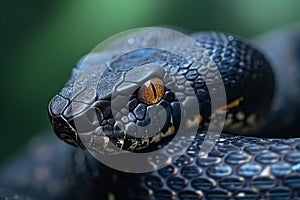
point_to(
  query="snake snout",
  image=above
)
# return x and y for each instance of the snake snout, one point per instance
(65, 131)
(78, 124)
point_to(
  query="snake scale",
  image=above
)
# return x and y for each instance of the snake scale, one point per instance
(266, 166)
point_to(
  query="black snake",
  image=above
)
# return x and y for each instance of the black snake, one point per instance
(238, 167)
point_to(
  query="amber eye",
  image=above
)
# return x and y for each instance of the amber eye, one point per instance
(151, 91)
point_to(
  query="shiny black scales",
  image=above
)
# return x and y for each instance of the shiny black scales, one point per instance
(238, 167)
(243, 70)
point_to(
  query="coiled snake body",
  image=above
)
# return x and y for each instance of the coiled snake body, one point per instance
(238, 167)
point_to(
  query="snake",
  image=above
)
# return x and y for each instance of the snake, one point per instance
(257, 155)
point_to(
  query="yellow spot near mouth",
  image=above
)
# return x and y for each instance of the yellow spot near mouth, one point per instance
(145, 142)
(106, 141)
(133, 145)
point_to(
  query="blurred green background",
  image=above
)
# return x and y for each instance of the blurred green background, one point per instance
(41, 41)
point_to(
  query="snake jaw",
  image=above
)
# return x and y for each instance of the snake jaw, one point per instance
(66, 132)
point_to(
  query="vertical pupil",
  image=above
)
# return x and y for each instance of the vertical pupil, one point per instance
(154, 90)
(151, 91)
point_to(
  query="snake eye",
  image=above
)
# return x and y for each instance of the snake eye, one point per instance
(151, 91)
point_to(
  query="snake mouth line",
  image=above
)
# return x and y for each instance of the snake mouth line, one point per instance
(65, 131)
(95, 127)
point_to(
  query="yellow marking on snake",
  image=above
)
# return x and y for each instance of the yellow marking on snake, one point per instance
(234, 103)
(198, 118)
(170, 131)
(145, 141)
(156, 138)
(121, 143)
(195, 122)
(223, 109)
(133, 145)
(106, 141)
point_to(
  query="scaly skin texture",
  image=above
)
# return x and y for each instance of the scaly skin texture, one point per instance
(237, 168)
(222, 59)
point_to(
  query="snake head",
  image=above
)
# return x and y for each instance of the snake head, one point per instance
(133, 100)
(125, 107)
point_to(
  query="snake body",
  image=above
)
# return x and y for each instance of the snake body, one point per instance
(238, 167)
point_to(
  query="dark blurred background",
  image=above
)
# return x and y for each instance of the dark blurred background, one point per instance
(41, 41)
